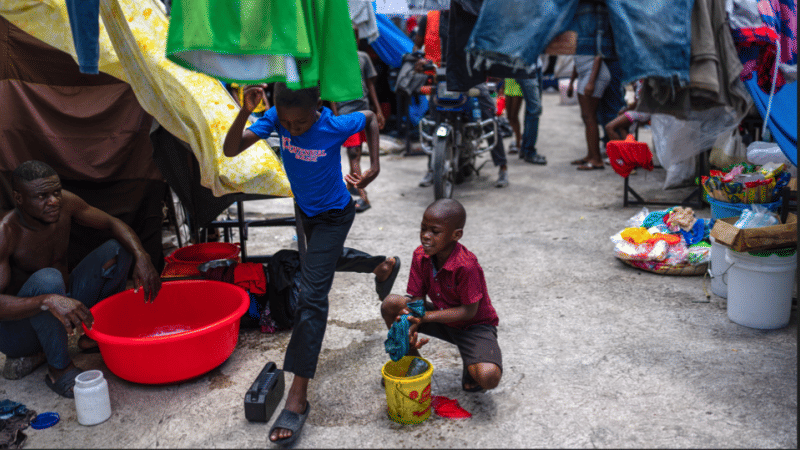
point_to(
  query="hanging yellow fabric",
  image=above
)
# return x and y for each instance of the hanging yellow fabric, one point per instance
(192, 106)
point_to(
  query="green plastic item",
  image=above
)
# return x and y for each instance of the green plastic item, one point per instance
(782, 252)
(303, 43)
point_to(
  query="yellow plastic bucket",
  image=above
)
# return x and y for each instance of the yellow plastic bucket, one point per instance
(408, 398)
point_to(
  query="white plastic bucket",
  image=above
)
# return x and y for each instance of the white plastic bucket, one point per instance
(760, 289)
(717, 268)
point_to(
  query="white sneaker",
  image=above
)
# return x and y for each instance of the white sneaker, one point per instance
(427, 180)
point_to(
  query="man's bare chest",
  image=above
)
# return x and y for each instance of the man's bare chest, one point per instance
(40, 249)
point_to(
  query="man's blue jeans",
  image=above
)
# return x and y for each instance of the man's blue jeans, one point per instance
(89, 284)
(532, 93)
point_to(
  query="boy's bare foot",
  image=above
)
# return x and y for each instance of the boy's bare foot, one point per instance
(296, 402)
(87, 344)
(384, 269)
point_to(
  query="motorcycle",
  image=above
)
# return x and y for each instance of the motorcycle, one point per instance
(454, 135)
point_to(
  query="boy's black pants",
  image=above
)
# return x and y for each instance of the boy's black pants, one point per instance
(325, 234)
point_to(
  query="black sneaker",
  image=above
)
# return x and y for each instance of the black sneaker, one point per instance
(536, 159)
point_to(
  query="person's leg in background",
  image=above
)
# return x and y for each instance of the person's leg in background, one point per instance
(532, 93)
(353, 146)
(593, 159)
(612, 101)
(513, 106)
(427, 179)
(513, 95)
(488, 110)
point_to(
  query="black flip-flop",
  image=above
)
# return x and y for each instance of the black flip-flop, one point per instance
(289, 420)
(384, 288)
(362, 206)
(467, 378)
(63, 385)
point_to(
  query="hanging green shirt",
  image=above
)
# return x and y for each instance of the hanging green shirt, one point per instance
(304, 43)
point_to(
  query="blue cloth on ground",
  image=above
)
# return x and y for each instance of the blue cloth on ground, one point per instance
(696, 234)
(313, 160)
(252, 311)
(10, 408)
(397, 340)
(655, 218)
(392, 43)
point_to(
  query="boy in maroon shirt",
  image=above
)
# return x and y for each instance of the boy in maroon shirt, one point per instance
(459, 310)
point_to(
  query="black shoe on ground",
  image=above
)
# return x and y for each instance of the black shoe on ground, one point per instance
(536, 159)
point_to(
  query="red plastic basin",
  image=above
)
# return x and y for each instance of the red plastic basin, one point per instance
(208, 251)
(191, 328)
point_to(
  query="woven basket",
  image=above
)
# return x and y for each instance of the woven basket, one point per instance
(683, 269)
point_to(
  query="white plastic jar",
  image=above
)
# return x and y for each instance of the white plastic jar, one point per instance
(91, 398)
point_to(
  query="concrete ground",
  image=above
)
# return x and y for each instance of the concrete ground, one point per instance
(596, 353)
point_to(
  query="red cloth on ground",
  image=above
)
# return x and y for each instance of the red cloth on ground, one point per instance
(624, 156)
(250, 276)
(449, 408)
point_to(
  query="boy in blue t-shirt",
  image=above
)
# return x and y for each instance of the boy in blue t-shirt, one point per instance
(310, 139)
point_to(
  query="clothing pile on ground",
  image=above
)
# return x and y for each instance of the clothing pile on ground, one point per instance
(747, 183)
(14, 418)
(671, 238)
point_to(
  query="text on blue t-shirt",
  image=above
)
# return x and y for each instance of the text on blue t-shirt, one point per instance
(312, 160)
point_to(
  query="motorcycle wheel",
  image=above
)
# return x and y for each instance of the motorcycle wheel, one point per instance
(443, 169)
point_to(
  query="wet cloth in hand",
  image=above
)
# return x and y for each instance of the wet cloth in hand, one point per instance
(397, 340)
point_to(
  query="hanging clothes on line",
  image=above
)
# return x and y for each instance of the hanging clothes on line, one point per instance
(392, 44)
(651, 38)
(757, 29)
(713, 73)
(193, 107)
(429, 5)
(461, 75)
(362, 15)
(782, 119)
(247, 42)
(84, 21)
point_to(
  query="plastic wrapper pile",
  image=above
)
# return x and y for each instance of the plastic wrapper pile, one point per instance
(747, 183)
(668, 239)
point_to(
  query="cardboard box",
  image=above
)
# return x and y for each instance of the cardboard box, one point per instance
(755, 239)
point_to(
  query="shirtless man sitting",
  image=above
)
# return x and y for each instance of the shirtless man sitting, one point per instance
(39, 301)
